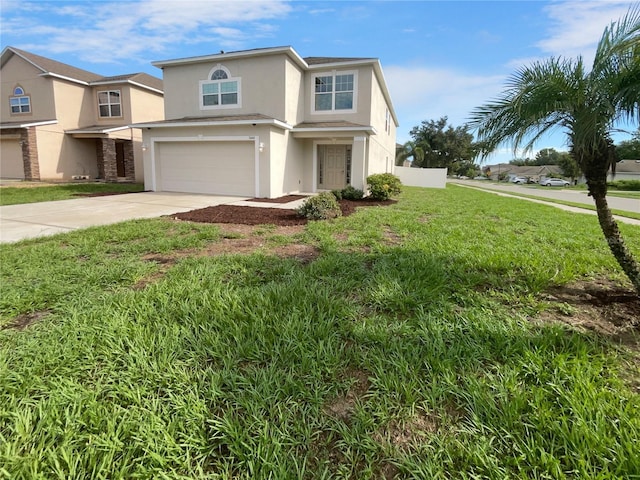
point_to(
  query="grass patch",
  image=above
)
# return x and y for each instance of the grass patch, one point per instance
(406, 348)
(586, 206)
(34, 193)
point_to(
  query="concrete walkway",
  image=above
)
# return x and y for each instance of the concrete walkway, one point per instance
(31, 220)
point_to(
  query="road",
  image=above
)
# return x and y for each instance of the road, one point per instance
(556, 193)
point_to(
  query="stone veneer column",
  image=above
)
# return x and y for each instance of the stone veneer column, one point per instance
(29, 141)
(129, 164)
(106, 156)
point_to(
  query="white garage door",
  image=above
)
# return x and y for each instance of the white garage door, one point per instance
(11, 165)
(221, 167)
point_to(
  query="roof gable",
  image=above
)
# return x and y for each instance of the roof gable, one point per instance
(61, 70)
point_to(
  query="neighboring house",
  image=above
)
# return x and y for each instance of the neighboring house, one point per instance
(267, 122)
(533, 172)
(626, 170)
(59, 122)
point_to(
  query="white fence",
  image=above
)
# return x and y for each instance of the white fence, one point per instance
(422, 177)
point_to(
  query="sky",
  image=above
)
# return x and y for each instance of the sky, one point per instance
(440, 58)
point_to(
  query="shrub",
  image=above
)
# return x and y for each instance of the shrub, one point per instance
(351, 193)
(320, 207)
(384, 186)
(337, 194)
(629, 185)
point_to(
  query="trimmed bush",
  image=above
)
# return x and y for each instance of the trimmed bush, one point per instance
(351, 193)
(384, 186)
(337, 194)
(628, 185)
(320, 207)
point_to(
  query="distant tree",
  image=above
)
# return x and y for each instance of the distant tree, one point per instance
(568, 166)
(521, 162)
(548, 156)
(586, 104)
(629, 149)
(442, 144)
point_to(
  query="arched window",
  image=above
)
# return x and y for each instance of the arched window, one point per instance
(221, 90)
(20, 102)
(219, 75)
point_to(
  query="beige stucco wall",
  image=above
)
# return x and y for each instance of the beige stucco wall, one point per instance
(61, 156)
(295, 93)
(262, 87)
(287, 162)
(18, 72)
(363, 95)
(145, 105)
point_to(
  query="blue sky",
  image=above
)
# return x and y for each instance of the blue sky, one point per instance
(440, 58)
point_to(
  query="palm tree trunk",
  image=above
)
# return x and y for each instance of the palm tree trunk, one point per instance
(612, 234)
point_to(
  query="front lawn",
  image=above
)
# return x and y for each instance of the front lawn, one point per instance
(33, 192)
(428, 339)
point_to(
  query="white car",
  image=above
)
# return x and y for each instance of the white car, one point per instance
(520, 180)
(554, 182)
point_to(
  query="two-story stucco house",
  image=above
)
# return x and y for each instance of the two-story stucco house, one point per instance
(267, 122)
(59, 122)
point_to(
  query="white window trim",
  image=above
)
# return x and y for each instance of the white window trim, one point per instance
(110, 104)
(333, 74)
(229, 78)
(20, 105)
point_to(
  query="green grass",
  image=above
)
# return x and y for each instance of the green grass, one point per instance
(586, 206)
(44, 193)
(405, 348)
(618, 193)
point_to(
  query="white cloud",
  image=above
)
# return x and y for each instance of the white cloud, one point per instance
(576, 27)
(101, 33)
(423, 93)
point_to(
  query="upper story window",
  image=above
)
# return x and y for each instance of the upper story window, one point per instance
(387, 121)
(109, 103)
(221, 90)
(20, 102)
(335, 91)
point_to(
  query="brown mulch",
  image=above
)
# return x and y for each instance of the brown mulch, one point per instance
(285, 199)
(268, 216)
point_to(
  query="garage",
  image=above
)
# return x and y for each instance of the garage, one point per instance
(212, 167)
(11, 164)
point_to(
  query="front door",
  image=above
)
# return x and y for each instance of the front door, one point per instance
(120, 169)
(332, 167)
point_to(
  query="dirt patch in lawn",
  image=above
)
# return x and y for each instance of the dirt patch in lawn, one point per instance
(25, 320)
(235, 214)
(343, 407)
(600, 306)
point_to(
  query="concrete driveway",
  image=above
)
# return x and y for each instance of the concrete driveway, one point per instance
(32, 220)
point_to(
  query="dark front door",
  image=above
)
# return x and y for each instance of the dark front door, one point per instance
(120, 171)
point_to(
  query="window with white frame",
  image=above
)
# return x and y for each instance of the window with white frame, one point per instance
(20, 102)
(220, 90)
(109, 104)
(335, 91)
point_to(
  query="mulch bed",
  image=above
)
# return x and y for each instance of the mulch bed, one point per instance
(285, 199)
(263, 216)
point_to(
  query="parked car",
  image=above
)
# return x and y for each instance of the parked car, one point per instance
(554, 182)
(480, 177)
(520, 180)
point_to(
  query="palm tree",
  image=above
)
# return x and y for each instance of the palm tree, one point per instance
(409, 150)
(586, 105)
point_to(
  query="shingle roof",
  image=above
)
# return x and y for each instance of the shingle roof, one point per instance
(48, 65)
(628, 166)
(141, 78)
(52, 66)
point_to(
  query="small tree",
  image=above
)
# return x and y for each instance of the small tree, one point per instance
(587, 105)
